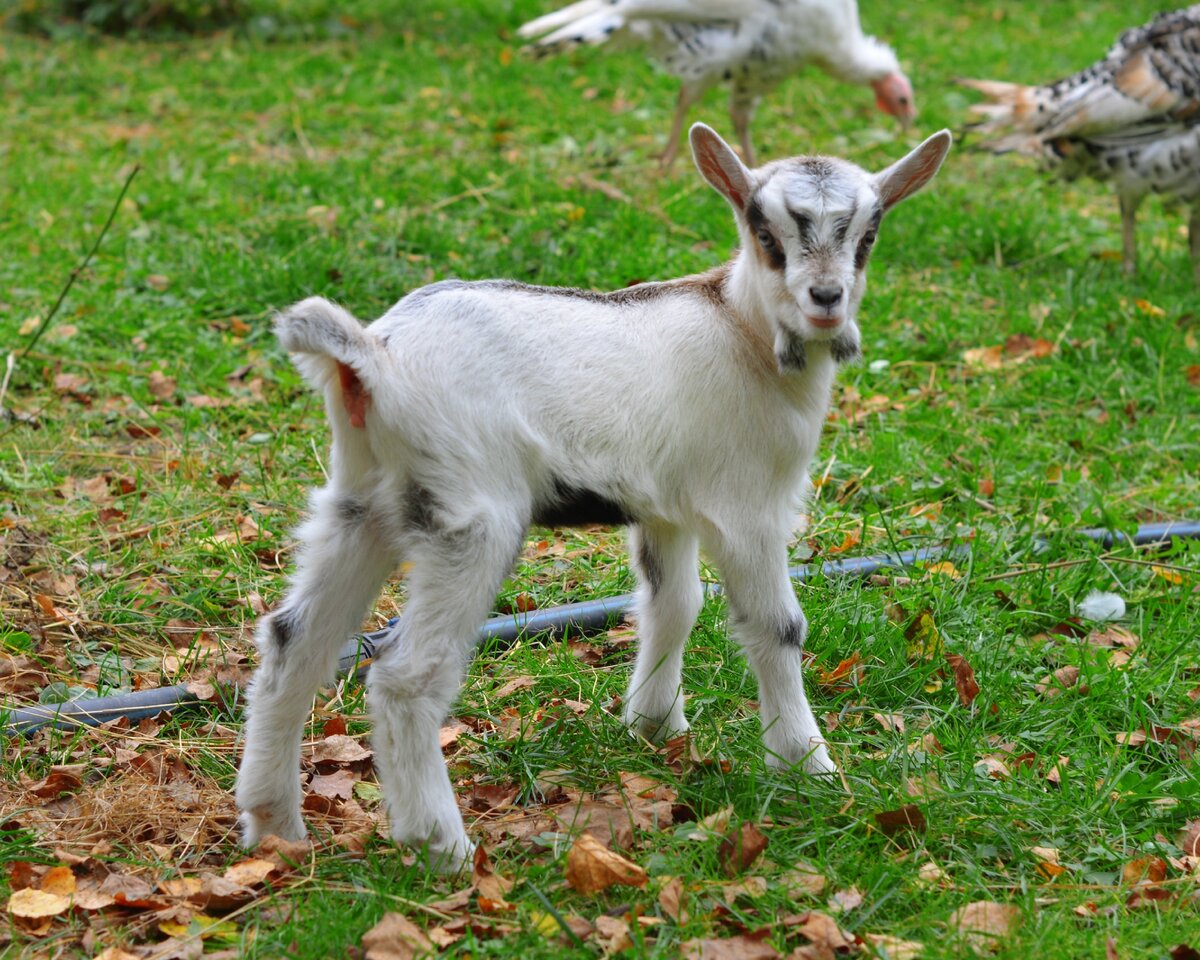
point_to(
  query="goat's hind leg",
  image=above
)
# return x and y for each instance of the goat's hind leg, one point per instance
(413, 682)
(340, 570)
(668, 599)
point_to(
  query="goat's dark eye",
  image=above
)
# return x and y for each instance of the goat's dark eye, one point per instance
(868, 238)
(766, 239)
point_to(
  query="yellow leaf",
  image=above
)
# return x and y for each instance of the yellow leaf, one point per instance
(59, 880)
(1167, 574)
(544, 925)
(924, 638)
(946, 568)
(30, 904)
(1149, 309)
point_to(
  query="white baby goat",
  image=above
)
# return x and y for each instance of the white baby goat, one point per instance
(688, 409)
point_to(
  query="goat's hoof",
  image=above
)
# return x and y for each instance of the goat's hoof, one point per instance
(259, 823)
(811, 757)
(451, 860)
(657, 729)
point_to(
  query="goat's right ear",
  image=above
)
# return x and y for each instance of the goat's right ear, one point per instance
(720, 166)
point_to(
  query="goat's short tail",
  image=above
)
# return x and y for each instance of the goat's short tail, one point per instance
(321, 335)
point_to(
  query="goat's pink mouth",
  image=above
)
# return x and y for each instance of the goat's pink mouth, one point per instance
(824, 323)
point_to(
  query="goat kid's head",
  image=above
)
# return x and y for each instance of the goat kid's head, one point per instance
(807, 226)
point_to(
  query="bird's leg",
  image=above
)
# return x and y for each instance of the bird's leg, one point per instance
(1194, 238)
(742, 104)
(688, 95)
(1129, 207)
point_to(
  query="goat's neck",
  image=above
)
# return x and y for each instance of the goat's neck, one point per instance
(754, 310)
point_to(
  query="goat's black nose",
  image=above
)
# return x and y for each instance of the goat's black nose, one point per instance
(825, 296)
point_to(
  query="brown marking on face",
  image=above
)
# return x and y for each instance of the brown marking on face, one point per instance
(355, 396)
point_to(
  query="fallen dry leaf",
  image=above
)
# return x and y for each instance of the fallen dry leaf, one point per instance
(985, 923)
(250, 872)
(737, 852)
(964, 679)
(672, 898)
(1189, 838)
(730, 948)
(908, 817)
(893, 948)
(395, 937)
(823, 932)
(1053, 684)
(803, 879)
(592, 867)
(31, 904)
(612, 934)
(489, 884)
(1144, 870)
(845, 900)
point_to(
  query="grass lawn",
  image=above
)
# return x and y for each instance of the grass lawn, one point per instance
(158, 448)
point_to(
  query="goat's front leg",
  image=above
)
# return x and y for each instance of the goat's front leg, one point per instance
(340, 570)
(668, 599)
(771, 629)
(412, 684)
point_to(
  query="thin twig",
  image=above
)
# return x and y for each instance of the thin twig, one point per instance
(1060, 564)
(82, 266)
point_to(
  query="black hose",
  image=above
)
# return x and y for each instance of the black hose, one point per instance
(589, 616)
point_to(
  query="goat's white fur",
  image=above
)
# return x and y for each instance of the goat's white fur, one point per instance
(469, 409)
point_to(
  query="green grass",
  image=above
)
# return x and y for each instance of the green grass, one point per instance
(362, 160)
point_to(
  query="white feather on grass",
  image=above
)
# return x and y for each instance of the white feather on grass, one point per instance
(1102, 606)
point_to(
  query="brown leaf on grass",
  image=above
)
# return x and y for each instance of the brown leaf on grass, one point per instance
(1144, 870)
(60, 780)
(892, 722)
(449, 734)
(492, 797)
(802, 880)
(612, 934)
(823, 932)
(395, 937)
(161, 386)
(1183, 951)
(672, 899)
(489, 884)
(964, 679)
(738, 851)
(845, 900)
(1113, 637)
(1189, 838)
(591, 867)
(1053, 684)
(249, 873)
(741, 947)
(908, 817)
(985, 923)
(116, 953)
(844, 675)
(60, 880)
(893, 948)
(611, 825)
(512, 686)
(340, 750)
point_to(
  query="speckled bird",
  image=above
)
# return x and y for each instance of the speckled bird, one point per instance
(753, 45)
(1132, 118)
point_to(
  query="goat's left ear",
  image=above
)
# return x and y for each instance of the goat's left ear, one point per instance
(720, 165)
(909, 174)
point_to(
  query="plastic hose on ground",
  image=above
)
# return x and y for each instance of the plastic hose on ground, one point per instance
(589, 616)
